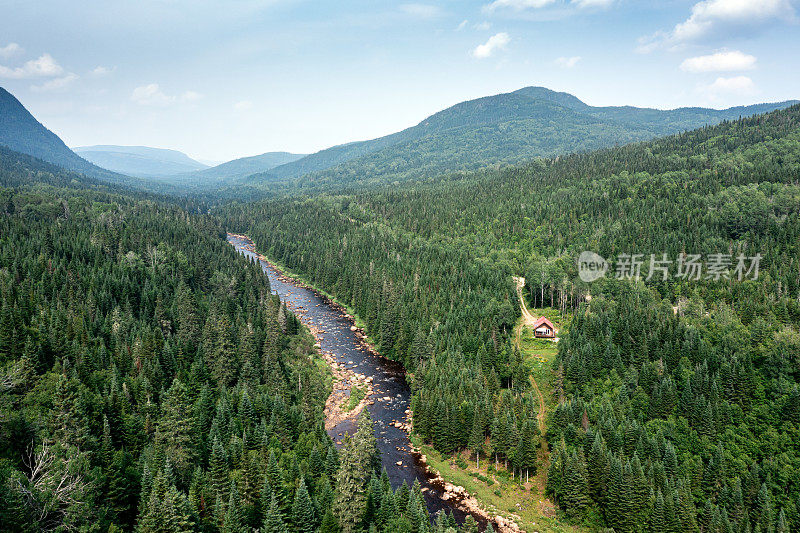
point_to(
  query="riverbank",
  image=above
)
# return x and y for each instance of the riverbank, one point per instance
(387, 398)
(460, 492)
(338, 406)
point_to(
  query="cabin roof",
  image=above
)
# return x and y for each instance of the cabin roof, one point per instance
(543, 322)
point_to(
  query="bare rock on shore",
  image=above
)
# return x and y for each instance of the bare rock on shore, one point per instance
(460, 498)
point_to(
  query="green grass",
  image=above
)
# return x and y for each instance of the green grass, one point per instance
(496, 492)
(538, 355)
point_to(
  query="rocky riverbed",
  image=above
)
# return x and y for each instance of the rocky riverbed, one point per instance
(355, 364)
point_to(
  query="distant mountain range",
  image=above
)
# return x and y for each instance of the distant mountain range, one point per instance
(21, 132)
(176, 167)
(503, 129)
(141, 161)
(238, 168)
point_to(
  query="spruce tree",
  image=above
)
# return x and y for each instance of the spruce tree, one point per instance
(234, 515)
(303, 514)
(174, 432)
(358, 460)
(273, 518)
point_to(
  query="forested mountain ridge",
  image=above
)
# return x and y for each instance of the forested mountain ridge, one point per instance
(140, 161)
(678, 400)
(21, 132)
(18, 169)
(503, 129)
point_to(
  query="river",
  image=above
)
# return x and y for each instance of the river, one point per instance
(391, 391)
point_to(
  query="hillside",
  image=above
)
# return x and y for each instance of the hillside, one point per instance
(21, 132)
(18, 169)
(677, 401)
(140, 161)
(237, 168)
(503, 129)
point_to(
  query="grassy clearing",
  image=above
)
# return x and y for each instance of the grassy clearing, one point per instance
(538, 355)
(497, 492)
(494, 487)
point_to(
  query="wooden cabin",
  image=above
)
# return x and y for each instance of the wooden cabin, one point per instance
(544, 329)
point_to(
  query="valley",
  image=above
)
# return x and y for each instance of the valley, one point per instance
(396, 334)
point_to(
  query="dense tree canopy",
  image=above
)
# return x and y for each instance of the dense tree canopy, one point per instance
(680, 389)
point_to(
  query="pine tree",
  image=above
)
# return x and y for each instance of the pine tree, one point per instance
(188, 322)
(598, 470)
(8, 333)
(358, 460)
(470, 525)
(329, 523)
(106, 446)
(275, 477)
(303, 513)
(419, 349)
(658, 520)
(234, 515)
(639, 493)
(331, 462)
(218, 465)
(782, 526)
(575, 488)
(619, 499)
(476, 436)
(273, 519)
(525, 457)
(174, 433)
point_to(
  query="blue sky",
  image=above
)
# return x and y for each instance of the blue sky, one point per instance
(220, 80)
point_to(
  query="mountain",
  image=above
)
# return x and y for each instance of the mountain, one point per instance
(503, 129)
(141, 161)
(21, 132)
(238, 168)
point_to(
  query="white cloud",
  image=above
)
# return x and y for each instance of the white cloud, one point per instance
(462, 25)
(721, 61)
(55, 84)
(425, 11)
(9, 50)
(100, 71)
(567, 62)
(482, 25)
(593, 3)
(517, 5)
(712, 19)
(151, 95)
(496, 42)
(243, 105)
(43, 67)
(738, 85)
(190, 97)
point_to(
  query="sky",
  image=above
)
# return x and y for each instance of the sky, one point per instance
(221, 80)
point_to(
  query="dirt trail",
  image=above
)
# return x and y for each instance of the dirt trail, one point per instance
(526, 315)
(529, 320)
(546, 507)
